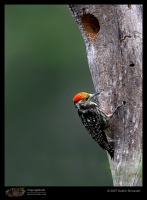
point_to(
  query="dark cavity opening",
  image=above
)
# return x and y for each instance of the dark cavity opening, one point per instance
(132, 64)
(90, 24)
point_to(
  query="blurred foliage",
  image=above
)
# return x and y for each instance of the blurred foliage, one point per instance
(45, 66)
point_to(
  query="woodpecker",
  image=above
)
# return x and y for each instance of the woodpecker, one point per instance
(95, 120)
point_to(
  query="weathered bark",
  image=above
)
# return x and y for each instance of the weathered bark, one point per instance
(113, 39)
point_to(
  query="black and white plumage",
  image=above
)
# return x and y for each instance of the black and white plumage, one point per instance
(95, 120)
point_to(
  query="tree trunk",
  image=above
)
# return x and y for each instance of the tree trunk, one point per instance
(113, 39)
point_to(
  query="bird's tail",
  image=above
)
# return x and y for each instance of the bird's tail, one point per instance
(111, 153)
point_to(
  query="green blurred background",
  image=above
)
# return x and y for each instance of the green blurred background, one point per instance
(45, 66)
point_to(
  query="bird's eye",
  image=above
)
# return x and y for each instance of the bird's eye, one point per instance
(86, 98)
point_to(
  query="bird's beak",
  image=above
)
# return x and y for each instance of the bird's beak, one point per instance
(93, 95)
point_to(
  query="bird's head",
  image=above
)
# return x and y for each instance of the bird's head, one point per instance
(84, 99)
